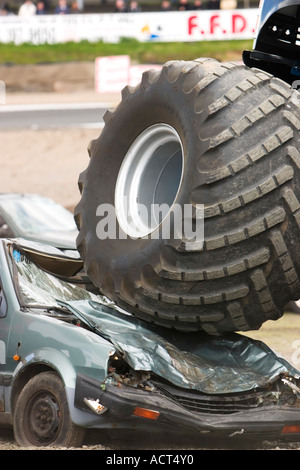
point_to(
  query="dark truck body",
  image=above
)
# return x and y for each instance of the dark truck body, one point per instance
(276, 48)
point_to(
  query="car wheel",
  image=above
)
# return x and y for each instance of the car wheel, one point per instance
(41, 415)
(204, 134)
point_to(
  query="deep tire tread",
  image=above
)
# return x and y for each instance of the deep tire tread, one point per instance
(247, 175)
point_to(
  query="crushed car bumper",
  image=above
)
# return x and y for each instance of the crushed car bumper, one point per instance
(130, 407)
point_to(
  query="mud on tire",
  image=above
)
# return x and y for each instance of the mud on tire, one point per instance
(41, 414)
(221, 135)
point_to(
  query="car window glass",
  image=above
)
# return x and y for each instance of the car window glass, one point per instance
(37, 287)
(37, 215)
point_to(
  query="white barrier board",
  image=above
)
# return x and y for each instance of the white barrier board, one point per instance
(176, 26)
(113, 73)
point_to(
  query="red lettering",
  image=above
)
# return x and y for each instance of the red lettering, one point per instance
(192, 23)
(214, 23)
(238, 23)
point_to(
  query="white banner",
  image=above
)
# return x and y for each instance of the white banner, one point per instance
(113, 73)
(182, 26)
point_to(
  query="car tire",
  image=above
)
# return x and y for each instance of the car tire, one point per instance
(41, 416)
(202, 133)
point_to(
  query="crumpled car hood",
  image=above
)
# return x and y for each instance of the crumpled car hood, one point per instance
(213, 365)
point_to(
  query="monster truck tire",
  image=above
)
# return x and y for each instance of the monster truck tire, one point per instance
(218, 135)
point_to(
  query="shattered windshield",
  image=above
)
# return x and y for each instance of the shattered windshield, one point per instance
(39, 288)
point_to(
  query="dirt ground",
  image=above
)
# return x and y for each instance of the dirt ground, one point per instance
(69, 77)
(48, 162)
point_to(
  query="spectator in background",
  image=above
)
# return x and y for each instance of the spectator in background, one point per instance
(74, 8)
(62, 8)
(4, 10)
(27, 9)
(134, 7)
(213, 5)
(165, 6)
(183, 5)
(198, 5)
(228, 4)
(40, 8)
(120, 6)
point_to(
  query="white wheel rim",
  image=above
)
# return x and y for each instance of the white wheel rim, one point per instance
(150, 176)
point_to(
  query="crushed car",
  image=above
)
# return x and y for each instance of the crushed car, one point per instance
(37, 218)
(72, 360)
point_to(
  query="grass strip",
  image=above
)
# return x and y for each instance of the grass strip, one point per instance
(139, 52)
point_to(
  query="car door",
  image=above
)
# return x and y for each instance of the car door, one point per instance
(3, 346)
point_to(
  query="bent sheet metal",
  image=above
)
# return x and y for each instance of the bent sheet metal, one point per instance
(198, 361)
